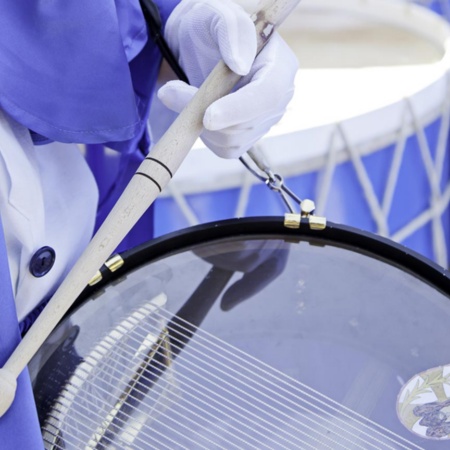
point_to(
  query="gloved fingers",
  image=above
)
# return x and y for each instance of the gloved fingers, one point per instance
(201, 32)
(240, 119)
(266, 91)
(228, 143)
(234, 123)
(176, 95)
(250, 6)
(235, 141)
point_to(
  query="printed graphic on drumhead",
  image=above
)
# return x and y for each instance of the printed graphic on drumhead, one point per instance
(424, 403)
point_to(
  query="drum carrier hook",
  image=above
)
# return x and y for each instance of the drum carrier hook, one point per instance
(275, 182)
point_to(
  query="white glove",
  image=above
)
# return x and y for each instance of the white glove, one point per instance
(200, 33)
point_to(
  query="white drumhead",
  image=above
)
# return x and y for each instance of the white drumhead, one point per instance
(358, 62)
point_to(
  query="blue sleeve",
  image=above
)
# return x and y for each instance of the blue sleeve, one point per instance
(166, 7)
(19, 427)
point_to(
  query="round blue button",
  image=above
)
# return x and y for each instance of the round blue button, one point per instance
(42, 262)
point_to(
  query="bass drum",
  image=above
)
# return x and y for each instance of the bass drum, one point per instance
(247, 333)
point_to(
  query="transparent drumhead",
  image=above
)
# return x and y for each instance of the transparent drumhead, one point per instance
(301, 343)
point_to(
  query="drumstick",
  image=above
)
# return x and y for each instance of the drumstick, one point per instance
(151, 177)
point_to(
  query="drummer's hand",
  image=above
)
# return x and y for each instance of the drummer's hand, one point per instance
(260, 263)
(200, 33)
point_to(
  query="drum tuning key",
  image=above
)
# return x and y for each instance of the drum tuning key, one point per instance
(276, 183)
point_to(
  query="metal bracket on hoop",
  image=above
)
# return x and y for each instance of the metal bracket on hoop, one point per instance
(275, 182)
(307, 213)
(114, 263)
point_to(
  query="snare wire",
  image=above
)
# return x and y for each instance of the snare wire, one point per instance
(233, 408)
(80, 437)
(234, 416)
(97, 388)
(143, 436)
(265, 374)
(240, 358)
(89, 408)
(148, 431)
(243, 392)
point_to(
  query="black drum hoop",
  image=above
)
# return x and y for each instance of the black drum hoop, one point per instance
(336, 234)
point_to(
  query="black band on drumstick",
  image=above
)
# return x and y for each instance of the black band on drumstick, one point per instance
(150, 178)
(160, 163)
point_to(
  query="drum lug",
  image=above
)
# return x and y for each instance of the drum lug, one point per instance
(114, 263)
(307, 208)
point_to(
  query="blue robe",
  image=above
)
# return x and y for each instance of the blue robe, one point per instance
(75, 71)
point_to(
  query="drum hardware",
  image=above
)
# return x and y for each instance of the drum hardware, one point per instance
(275, 182)
(306, 214)
(96, 278)
(114, 263)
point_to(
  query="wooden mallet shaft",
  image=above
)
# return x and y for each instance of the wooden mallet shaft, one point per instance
(151, 177)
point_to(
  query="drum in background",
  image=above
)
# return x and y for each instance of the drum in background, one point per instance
(365, 135)
(441, 7)
(246, 334)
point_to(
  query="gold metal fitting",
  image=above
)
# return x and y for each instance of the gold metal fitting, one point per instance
(307, 209)
(96, 278)
(292, 221)
(317, 223)
(114, 263)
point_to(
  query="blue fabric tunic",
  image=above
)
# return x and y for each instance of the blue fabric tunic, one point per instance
(78, 71)
(74, 71)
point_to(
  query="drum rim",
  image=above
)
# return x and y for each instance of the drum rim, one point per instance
(359, 240)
